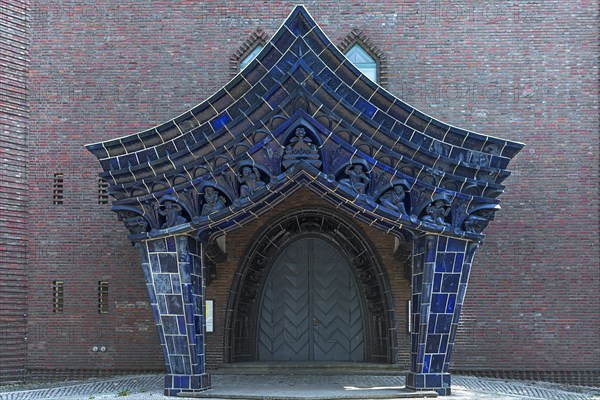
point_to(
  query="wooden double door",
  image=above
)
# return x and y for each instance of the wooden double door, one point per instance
(311, 308)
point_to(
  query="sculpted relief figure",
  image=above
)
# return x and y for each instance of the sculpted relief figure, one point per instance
(437, 212)
(301, 148)
(213, 201)
(249, 180)
(394, 199)
(478, 221)
(357, 178)
(172, 213)
(135, 224)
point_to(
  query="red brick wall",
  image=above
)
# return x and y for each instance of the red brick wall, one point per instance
(525, 70)
(14, 113)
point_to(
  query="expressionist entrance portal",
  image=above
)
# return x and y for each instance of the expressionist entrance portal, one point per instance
(301, 115)
(311, 308)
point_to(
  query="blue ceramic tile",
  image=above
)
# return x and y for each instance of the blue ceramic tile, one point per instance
(446, 379)
(420, 381)
(433, 344)
(220, 121)
(433, 380)
(427, 287)
(174, 303)
(438, 303)
(456, 245)
(157, 245)
(147, 270)
(465, 273)
(181, 345)
(444, 322)
(431, 254)
(450, 283)
(437, 283)
(162, 284)
(128, 160)
(451, 304)
(431, 326)
(437, 364)
(170, 325)
(181, 324)
(426, 363)
(458, 262)
(166, 149)
(365, 107)
(457, 313)
(162, 304)
(171, 244)
(176, 364)
(443, 343)
(442, 243)
(445, 262)
(168, 262)
(417, 281)
(176, 283)
(151, 293)
(185, 382)
(462, 289)
(421, 352)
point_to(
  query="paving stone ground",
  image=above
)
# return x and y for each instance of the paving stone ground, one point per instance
(142, 387)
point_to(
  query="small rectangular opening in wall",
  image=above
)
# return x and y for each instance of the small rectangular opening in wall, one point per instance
(58, 187)
(102, 191)
(57, 296)
(102, 297)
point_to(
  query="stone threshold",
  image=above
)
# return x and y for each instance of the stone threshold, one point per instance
(314, 394)
(308, 368)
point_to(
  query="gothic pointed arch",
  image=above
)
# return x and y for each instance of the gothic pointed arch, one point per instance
(342, 234)
(358, 37)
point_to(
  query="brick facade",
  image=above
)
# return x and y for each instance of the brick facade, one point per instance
(14, 114)
(525, 71)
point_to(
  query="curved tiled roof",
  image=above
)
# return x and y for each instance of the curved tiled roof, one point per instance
(301, 79)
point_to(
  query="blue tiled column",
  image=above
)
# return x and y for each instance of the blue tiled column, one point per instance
(174, 277)
(440, 274)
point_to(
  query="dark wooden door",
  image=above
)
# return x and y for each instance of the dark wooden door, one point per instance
(310, 308)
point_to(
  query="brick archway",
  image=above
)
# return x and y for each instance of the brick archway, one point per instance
(342, 233)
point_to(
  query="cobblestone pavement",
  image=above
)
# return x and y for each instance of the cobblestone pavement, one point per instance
(142, 387)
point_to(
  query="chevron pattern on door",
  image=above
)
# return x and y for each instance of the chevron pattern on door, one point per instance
(310, 308)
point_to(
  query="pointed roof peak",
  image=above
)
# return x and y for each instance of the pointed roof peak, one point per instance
(361, 123)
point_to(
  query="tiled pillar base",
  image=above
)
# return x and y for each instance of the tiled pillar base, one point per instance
(439, 383)
(175, 384)
(441, 269)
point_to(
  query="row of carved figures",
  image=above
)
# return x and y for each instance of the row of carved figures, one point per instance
(169, 213)
(300, 148)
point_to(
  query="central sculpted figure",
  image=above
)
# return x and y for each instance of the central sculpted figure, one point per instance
(301, 148)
